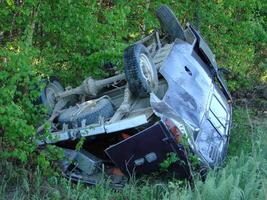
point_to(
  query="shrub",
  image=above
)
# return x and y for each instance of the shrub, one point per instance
(19, 90)
(73, 39)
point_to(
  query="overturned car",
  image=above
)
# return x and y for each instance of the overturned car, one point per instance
(171, 99)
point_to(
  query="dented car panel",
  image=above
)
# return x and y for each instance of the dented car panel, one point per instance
(201, 104)
(203, 49)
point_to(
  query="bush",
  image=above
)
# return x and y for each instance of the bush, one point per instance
(19, 81)
(76, 38)
(73, 39)
(244, 177)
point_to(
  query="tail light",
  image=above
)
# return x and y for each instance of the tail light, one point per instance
(174, 130)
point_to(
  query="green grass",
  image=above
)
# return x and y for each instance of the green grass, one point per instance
(244, 175)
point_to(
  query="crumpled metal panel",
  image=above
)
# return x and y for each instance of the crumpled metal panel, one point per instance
(189, 85)
(83, 161)
(189, 99)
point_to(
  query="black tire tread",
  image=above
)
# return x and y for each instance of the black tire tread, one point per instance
(137, 84)
(169, 23)
(57, 87)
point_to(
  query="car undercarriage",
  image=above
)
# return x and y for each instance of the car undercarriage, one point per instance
(171, 99)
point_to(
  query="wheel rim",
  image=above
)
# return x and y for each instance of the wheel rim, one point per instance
(147, 69)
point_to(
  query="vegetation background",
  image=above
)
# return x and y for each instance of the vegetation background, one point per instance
(72, 39)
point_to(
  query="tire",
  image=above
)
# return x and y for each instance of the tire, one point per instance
(169, 23)
(48, 95)
(89, 111)
(140, 71)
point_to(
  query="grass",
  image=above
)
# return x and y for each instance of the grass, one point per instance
(244, 175)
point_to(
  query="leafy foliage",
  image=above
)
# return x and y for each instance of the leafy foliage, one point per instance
(73, 39)
(171, 158)
(244, 177)
(18, 114)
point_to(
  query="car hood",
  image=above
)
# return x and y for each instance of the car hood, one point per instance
(193, 96)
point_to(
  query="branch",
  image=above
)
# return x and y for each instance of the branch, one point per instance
(30, 31)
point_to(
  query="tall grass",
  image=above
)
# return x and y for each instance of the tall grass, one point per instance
(244, 175)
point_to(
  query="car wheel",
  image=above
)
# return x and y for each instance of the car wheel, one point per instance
(140, 71)
(86, 113)
(169, 23)
(48, 95)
